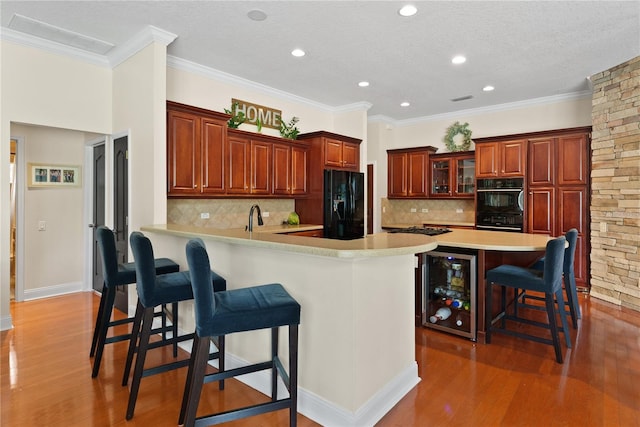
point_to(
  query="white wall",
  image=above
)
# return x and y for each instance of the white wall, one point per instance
(44, 89)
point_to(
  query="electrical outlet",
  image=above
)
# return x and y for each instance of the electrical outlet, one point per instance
(384, 209)
(424, 210)
(265, 214)
(603, 227)
(42, 225)
(458, 210)
(414, 210)
(204, 215)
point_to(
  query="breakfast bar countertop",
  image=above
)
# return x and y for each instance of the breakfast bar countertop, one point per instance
(279, 238)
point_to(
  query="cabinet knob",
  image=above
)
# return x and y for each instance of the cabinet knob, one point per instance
(195, 185)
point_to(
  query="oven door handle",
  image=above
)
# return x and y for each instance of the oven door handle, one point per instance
(521, 200)
(491, 227)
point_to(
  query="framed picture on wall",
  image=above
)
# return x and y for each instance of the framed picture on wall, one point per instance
(53, 176)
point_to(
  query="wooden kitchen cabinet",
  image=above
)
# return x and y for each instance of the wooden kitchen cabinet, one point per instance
(261, 160)
(289, 170)
(408, 172)
(500, 158)
(196, 148)
(452, 175)
(558, 189)
(326, 150)
(239, 166)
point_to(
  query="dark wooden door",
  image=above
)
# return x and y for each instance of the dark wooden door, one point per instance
(120, 213)
(98, 212)
(369, 199)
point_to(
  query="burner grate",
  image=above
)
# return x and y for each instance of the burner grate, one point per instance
(428, 231)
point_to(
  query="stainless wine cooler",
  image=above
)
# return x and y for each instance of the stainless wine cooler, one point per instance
(449, 302)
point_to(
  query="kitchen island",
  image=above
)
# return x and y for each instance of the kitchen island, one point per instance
(356, 348)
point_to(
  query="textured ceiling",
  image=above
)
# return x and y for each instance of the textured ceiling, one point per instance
(525, 49)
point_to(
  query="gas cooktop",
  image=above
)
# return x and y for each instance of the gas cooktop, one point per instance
(428, 231)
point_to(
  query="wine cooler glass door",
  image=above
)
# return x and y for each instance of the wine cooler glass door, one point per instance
(450, 293)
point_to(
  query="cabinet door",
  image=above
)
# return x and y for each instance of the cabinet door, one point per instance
(213, 154)
(281, 169)
(397, 175)
(333, 153)
(487, 160)
(417, 170)
(572, 213)
(572, 159)
(440, 177)
(183, 153)
(512, 158)
(542, 160)
(239, 166)
(464, 175)
(298, 171)
(261, 167)
(541, 210)
(350, 156)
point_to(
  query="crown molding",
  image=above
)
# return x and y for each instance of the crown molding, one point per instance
(212, 73)
(7, 34)
(148, 35)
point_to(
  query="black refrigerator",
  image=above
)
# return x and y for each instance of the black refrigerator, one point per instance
(343, 204)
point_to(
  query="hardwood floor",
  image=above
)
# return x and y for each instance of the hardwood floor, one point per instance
(46, 380)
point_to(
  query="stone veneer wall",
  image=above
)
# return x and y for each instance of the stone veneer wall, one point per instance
(227, 213)
(398, 211)
(615, 175)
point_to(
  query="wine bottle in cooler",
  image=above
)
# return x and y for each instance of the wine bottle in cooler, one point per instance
(442, 313)
(459, 320)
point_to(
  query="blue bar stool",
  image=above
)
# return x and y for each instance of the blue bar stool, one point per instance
(153, 291)
(119, 275)
(549, 283)
(238, 310)
(568, 275)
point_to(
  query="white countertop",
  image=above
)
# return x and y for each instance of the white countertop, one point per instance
(493, 240)
(275, 237)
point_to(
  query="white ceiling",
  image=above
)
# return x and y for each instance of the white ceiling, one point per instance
(526, 49)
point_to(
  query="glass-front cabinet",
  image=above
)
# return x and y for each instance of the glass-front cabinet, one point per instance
(449, 293)
(452, 175)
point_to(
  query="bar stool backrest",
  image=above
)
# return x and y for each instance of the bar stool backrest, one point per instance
(145, 267)
(570, 252)
(553, 262)
(200, 271)
(108, 254)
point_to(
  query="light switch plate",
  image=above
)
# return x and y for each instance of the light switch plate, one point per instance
(204, 215)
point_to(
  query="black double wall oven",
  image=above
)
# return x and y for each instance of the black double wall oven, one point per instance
(500, 204)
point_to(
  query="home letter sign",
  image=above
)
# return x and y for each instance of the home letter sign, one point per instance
(270, 117)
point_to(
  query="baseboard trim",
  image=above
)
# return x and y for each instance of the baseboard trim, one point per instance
(53, 291)
(6, 323)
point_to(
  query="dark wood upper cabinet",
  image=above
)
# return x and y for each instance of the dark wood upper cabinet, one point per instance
(573, 159)
(196, 141)
(206, 159)
(408, 172)
(500, 158)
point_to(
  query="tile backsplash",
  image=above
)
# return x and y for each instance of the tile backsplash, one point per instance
(226, 213)
(399, 211)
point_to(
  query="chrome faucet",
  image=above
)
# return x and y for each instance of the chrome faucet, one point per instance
(250, 227)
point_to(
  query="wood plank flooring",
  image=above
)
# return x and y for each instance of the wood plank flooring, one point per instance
(45, 376)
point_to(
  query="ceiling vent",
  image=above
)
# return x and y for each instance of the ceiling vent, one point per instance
(462, 98)
(59, 35)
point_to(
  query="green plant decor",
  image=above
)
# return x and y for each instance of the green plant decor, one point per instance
(259, 125)
(289, 130)
(454, 130)
(237, 117)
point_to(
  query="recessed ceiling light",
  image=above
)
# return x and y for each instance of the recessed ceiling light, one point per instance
(459, 59)
(408, 10)
(257, 15)
(363, 84)
(297, 52)
(404, 104)
(488, 88)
